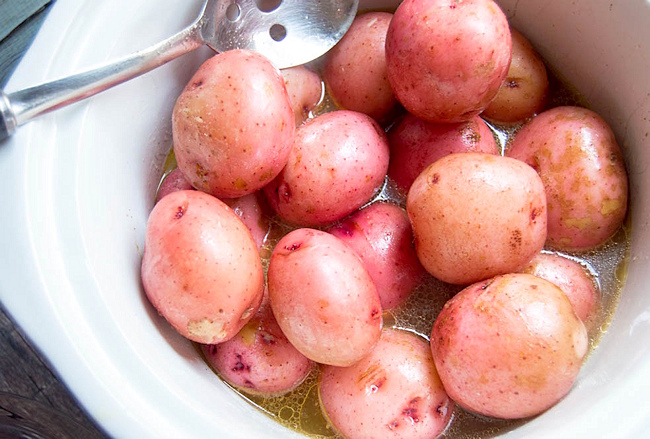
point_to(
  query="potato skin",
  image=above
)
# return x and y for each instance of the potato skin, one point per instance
(259, 359)
(572, 278)
(476, 215)
(381, 235)
(355, 69)
(446, 59)
(393, 392)
(509, 347)
(233, 125)
(338, 162)
(523, 93)
(201, 269)
(415, 144)
(305, 89)
(576, 155)
(323, 298)
(172, 182)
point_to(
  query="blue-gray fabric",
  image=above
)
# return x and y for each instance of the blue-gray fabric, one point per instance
(19, 22)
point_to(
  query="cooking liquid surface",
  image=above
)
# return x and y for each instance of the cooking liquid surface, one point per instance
(300, 410)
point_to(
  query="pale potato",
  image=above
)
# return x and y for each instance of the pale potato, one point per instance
(305, 90)
(523, 93)
(574, 279)
(508, 347)
(201, 268)
(394, 392)
(323, 298)
(476, 215)
(576, 154)
(233, 125)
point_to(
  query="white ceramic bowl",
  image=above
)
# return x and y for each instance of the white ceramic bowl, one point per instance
(77, 186)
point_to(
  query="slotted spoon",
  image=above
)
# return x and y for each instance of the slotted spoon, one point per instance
(288, 32)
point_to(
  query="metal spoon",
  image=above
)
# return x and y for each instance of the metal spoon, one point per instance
(288, 32)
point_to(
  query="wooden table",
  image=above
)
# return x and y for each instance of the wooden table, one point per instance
(32, 399)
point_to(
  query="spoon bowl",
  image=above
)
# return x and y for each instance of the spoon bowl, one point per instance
(287, 32)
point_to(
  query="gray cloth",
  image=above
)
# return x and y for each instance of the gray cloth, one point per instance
(19, 22)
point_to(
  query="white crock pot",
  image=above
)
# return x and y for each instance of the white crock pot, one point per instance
(77, 186)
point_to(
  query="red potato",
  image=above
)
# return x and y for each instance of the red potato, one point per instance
(172, 182)
(338, 162)
(447, 59)
(381, 235)
(233, 125)
(355, 69)
(572, 278)
(476, 215)
(415, 144)
(323, 298)
(251, 209)
(394, 392)
(259, 359)
(576, 155)
(509, 347)
(305, 90)
(523, 93)
(201, 269)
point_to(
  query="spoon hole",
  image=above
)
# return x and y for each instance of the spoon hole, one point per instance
(268, 5)
(233, 12)
(278, 32)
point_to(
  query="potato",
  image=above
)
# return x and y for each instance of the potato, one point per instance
(233, 125)
(393, 392)
(323, 298)
(252, 210)
(572, 278)
(476, 215)
(355, 69)
(523, 93)
(305, 90)
(201, 269)
(509, 347)
(381, 235)
(338, 162)
(576, 155)
(415, 144)
(172, 182)
(259, 359)
(447, 59)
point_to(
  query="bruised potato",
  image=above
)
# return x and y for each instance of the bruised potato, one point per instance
(233, 125)
(576, 155)
(259, 359)
(508, 347)
(476, 215)
(201, 268)
(323, 298)
(393, 392)
(447, 59)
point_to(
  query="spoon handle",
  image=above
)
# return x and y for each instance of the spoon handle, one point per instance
(20, 107)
